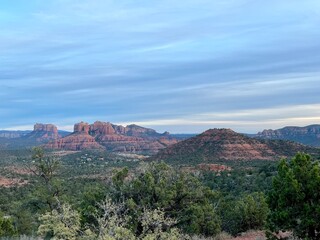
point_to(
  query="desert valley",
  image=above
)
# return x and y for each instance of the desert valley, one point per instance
(103, 159)
(159, 120)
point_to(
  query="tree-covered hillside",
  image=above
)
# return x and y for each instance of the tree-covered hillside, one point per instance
(90, 196)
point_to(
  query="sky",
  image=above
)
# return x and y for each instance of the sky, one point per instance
(177, 66)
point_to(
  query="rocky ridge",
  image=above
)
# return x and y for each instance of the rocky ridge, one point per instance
(225, 144)
(43, 133)
(309, 135)
(105, 135)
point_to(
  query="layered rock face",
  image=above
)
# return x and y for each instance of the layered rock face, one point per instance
(225, 144)
(133, 138)
(50, 128)
(102, 129)
(78, 140)
(81, 127)
(309, 135)
(43, 133)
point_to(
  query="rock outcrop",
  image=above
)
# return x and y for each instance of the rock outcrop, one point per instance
(132, 138)
(75, 141)
(81, 127)
(43, 133)
(225, 144)
(49, 128)
(309, 135)
(78, 140)
(102, 129)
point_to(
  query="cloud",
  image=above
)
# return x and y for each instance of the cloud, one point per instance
(122, 61)
(251, 120)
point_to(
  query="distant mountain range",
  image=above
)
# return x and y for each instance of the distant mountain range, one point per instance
(210, 145)
(225, 144)
(309, 135)
(13, 133)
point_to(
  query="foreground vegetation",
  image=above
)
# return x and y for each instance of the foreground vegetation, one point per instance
(66, 200)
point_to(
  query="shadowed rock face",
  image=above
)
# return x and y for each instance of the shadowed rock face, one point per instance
(112, 137)
(137, 131)
(81, 127)
(225, 144)
(309, 135)
(76, 141)
(102, 128)
(43, 133)
(39, 127)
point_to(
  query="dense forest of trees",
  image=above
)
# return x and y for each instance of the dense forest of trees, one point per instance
(156, 201)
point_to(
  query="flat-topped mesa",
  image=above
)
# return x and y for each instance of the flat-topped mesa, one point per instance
(81, 127)
(43, 133)
(40, 127)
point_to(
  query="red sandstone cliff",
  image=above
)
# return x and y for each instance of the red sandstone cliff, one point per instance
(78, 140)
(112, 137)
(43, 133)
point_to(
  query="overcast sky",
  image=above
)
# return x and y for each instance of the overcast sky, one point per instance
(182, 66)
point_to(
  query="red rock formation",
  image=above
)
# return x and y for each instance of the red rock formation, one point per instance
(81, 127)
(43, 133)
(45, 128)
(101, 128)
(225, 144)
(76, 141)
(120, 129)
(133, 138)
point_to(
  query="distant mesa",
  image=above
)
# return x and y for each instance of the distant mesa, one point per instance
(225, 144)
(40, 133)
(309, 135)
(50, 128)
(116, 138)
(43, 133)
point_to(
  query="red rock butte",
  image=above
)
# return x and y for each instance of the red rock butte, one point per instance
(105, 135)
(43, 133)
